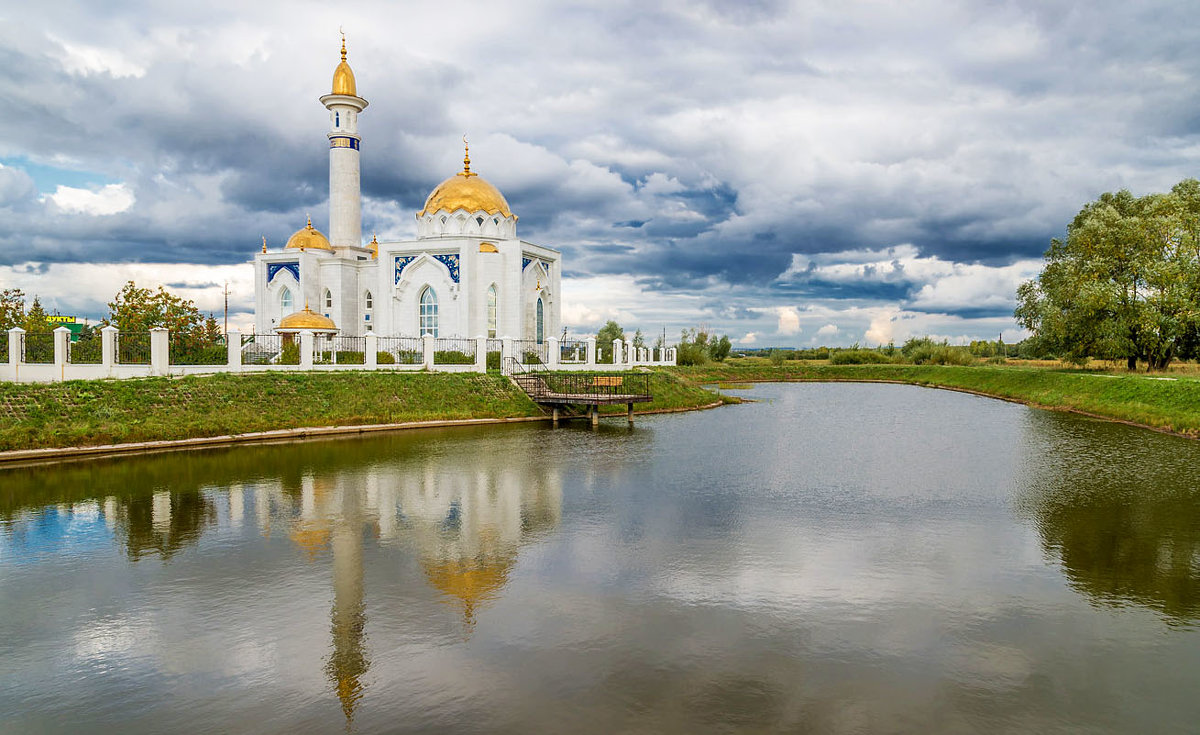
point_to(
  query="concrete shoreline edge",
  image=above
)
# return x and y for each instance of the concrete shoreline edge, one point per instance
(52, 454)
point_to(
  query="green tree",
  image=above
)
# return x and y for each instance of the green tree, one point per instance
(36, 319)
(1124, 284)
(138, 310)
(12, 308)
(718, 349)
(693, 347)
(609, 332)
(639, 341)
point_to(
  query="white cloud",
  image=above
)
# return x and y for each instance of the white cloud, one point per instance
(789, 320)
(87, 60)
(827, 331)
(110, 199)
(749, 338)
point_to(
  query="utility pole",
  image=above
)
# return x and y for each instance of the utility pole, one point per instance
(226, 310)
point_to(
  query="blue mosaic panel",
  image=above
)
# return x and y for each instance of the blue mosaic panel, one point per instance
(525, 263)
(342, 141)
(273, 270)
(451, 263)
(401, 262)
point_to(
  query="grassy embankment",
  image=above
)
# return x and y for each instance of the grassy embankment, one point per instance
(83, 413)
(1147, 400)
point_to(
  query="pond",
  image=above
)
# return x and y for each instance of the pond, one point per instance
(831, 558)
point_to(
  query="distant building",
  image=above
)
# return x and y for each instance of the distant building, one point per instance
(467, 274)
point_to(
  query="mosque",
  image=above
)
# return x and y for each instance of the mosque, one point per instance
(467, 274)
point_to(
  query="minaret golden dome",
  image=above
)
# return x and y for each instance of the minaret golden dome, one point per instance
(343, 75)
(308, 238)
(466, 190)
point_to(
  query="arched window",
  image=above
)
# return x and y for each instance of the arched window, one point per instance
(285, 301)
(491, 311)
(337, 120)
(429, 312)
(369, 301)
(368, 306)
(328, 299)
(541, 322)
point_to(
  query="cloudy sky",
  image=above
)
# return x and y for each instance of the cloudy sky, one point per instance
(787, 173)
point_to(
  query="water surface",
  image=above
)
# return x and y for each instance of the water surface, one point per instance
(833, 558)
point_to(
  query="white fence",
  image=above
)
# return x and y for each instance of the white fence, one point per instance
(256, 353)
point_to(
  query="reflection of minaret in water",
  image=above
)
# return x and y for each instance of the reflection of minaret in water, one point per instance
(348, 662)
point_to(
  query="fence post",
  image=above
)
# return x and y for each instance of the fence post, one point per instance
(371, 348)
(16, 349)
(427, 350)
(481, 354)
(618, 356)
(233, 348)
(591, 353)
(160, 350)
(552, 353)
(108, 347)
(62, 336)
(306, 350)
(505, 351)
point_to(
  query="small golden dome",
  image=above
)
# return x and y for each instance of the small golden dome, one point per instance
(343, 75)
(308, 238)
(307, 319)
(466, 190)
(472, 582)
(373, 247)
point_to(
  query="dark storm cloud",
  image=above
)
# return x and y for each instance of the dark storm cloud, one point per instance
(693, 146)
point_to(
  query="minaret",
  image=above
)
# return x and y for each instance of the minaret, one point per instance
(345, 196)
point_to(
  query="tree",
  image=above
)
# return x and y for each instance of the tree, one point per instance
(36, 319)
(140, 309)
(609, 332)
(718, 349)
(12, 308)
(693, 347)
(638, 340)
(1124, 284)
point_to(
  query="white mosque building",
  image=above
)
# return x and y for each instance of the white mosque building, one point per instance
(467, 274)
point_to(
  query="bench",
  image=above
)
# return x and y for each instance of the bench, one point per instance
(607, 381)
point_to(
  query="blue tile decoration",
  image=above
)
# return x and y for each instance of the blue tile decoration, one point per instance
(526, 261)
(401, 262)
(274, 268)
(451, 263)
(343, 141)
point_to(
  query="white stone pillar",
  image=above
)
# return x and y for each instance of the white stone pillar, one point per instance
(552, 353)
(371, 351)
(427, 349)
(233, 349)
(16, 350)
(160, 350)
(108, 347)
(618, 353)
(306, 350)
(62, 339)
(481, 354)
(591, 353)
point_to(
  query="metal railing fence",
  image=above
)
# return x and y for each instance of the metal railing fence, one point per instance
(495, 349)
(133, 348)
(579, 387)
(264, 349)
(572, 351)
(3, 348)
(401, 351)
(39, 348)
(195, 349)
(87, 350)
(530, 352)
(340, 350)
(453, 351)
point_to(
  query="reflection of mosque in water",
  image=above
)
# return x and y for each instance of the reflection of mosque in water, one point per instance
(464, 520)
(465, 524)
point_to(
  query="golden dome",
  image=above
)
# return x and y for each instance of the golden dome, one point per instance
(307, 319)
(343, 75)
(467, 191)
(308, 238)
(472, 582)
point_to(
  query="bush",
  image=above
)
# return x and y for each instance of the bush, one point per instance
(385, 358)
(858, 357)
(493, 361)
(290, 355)
(346, 357)
(777, 357)
(925, 351)
(452, 357)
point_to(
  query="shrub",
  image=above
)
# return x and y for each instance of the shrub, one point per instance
(777, 357)
(290, 354)
(493, 361)
(385, 358)
(452, 357)
(858, 357)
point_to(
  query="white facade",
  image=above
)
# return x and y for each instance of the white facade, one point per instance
(476, 276)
